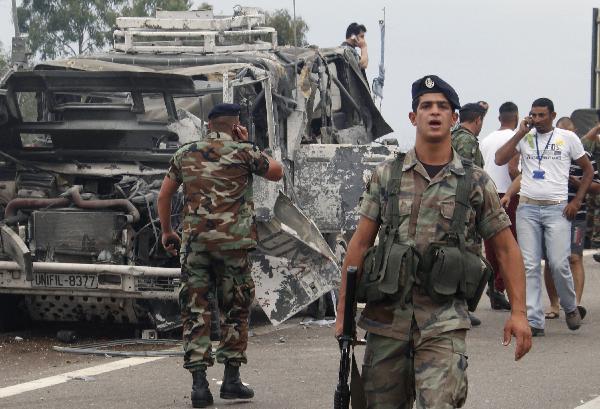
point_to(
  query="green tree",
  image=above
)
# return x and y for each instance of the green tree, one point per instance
(3, 59)
(282, 21)
(142, 8)
(68, 27)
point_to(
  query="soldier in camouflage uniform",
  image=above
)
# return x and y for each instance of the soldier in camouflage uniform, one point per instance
(218, 231)
(466, 144)
(464, 137)
(417, 352)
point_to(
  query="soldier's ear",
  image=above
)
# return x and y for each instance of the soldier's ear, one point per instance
(413, 118)
(454, 117)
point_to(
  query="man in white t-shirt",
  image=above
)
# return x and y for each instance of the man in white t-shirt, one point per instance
(502, 177)
(543, 213)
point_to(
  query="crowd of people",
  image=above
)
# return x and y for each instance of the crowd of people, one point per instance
(550, 197)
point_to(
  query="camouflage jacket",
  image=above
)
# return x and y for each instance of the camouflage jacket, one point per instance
(216, 173)
(467, 145)
(426, 209)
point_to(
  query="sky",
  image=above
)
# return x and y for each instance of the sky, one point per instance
(491, 50)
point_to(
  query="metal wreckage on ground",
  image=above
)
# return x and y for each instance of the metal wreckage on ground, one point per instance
(86, 142)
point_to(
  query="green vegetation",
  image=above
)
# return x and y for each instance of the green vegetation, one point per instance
(283, 22)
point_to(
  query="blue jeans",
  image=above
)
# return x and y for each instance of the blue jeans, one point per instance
(535, 222)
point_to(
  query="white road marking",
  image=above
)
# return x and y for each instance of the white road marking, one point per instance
(593, 404)
(82, 373)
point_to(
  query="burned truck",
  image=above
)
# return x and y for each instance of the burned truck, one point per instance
(86, 142)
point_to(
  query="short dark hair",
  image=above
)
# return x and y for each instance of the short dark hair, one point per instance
(508, 108)
(355, 29)
(470, 116)
(544, 103)
(564, 118)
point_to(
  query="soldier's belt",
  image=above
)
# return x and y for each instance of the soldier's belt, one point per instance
(528, 200)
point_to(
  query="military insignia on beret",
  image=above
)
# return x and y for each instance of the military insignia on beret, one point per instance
(429, 83)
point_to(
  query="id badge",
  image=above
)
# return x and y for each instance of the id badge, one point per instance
(538, 174)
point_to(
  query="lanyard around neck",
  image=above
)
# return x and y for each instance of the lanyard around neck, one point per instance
(537, 148)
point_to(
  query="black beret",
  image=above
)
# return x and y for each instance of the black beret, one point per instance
(472, 107)
(224, 110)
(431, 84)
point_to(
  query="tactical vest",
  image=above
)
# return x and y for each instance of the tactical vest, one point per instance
(446, 270)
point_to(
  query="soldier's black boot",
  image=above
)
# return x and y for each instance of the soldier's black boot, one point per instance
(201, 396)
(232, 387)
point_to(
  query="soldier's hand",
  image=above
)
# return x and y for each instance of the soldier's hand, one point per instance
(517, 326)
(241, 132)
(339, 322)
(171, 242)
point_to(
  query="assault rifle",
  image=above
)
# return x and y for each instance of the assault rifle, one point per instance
(341, 399)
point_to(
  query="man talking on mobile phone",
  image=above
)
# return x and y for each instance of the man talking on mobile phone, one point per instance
(543, 214)
(355, 38)
(218, 232)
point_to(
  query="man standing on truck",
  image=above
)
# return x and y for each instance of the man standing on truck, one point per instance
(355, 38)
(218, 232)
(415, 316)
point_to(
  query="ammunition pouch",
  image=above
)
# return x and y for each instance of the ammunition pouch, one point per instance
(449, 269)
(389, 271)
(451, 272)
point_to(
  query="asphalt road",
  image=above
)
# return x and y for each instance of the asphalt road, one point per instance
(295, 366)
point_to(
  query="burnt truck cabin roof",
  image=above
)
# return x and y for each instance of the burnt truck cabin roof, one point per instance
(98, 81)
(97, 125)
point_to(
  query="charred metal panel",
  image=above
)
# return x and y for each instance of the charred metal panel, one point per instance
(293, 265)
(266, 194)
(329, 180)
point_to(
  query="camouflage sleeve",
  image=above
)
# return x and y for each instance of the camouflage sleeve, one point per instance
(370, 202)
(588, 145)
(257, 161)
(464, 146)
(491, 217)
(174, 172)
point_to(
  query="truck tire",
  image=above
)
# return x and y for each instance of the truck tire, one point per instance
(11, 316)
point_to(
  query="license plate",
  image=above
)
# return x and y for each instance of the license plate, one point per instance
(65, 280)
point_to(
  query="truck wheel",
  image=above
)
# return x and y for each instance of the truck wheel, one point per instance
(11, 317)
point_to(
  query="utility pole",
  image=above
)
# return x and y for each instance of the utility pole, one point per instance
(293, 25)
(15, 18)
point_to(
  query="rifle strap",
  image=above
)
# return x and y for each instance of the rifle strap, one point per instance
(463, 189)
(357, 389)
(393, 190)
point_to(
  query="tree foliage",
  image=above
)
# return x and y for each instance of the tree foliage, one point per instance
(4, 60)
(142, 8)
(283, 22)
(68, 27)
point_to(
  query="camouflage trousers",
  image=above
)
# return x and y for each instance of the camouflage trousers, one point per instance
(430, 371)
(235, 293)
